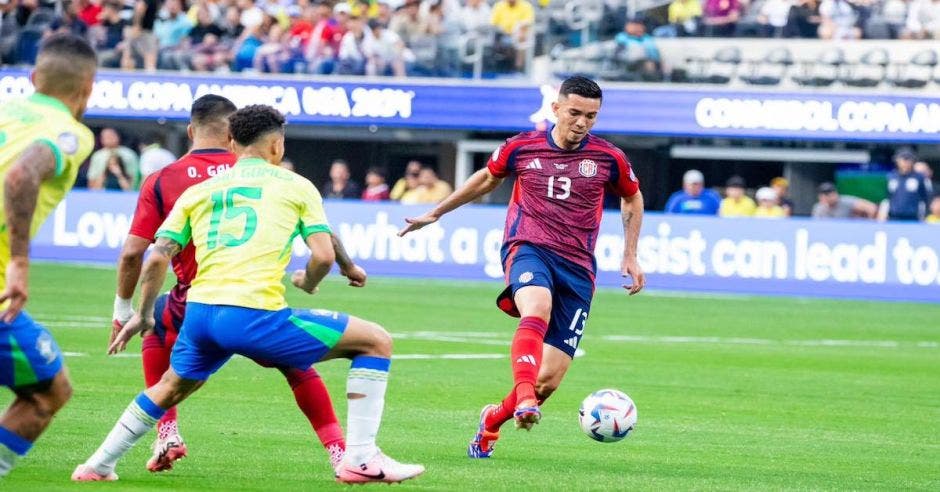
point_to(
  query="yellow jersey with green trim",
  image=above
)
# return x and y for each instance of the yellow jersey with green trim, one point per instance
(243, 224)
(46, 120)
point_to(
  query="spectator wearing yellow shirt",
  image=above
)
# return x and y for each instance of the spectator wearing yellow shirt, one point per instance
(685, 15)
(513, 19)
(736, 203)
(934, 216)
(407, 182)
(767, 205)
(430, 189)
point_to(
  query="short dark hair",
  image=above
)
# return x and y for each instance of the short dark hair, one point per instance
(378, 171)
(210, 108)
(581, 86)
(64, 64)
(250, 123)
(69, 46)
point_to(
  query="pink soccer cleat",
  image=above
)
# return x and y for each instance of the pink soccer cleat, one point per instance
(85, 473)
(166, 450)
(380, 468)
(483, 442)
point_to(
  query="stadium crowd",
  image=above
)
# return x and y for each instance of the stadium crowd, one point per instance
(909, 188)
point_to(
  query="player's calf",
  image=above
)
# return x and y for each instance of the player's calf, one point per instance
(29, 415)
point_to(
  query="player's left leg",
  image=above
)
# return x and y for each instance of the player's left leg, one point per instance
(314, 401)
(155, 355)
(31, 365)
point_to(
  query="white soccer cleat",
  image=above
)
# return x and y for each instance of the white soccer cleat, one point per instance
(86, 473)
(380, 468)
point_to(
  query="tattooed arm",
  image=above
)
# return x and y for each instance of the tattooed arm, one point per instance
(631, 212)
(353, 272)
(20, 192)
(151, 282)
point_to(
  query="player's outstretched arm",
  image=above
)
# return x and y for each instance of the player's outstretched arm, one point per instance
(479, 184)
(129, 266)
(20, 192)
(321, 260)
(631, 212)
(154, 274)
(353, 272)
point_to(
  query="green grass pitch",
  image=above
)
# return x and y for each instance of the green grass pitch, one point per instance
(734, 393)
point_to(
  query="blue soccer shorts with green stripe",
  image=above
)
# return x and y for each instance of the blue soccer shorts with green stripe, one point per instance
(28, 353)
(211, 334)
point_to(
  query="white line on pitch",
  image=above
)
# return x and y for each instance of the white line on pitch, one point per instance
(132, 355)
(767, 341)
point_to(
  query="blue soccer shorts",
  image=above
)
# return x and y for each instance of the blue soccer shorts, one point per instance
(572, 288)
(28, 353)
(211, 334)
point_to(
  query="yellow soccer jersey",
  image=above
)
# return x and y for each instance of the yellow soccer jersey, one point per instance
(745, 207)
(44, 119)
(243, 224)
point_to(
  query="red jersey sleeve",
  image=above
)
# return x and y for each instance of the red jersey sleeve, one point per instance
(149, 213)
(623, 182)
(499, 162)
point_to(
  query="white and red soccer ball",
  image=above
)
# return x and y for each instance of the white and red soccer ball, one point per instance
(607, 415)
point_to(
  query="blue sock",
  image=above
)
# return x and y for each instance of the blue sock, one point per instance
(14, 442)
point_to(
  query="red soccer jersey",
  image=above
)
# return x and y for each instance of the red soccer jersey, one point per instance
(558, 197)
(159, 193)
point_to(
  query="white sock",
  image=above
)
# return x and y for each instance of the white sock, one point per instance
(368, 376)
(136, 421)
(7, 460)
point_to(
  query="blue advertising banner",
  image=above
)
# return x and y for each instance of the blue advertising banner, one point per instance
(750, 256)
(520, 106)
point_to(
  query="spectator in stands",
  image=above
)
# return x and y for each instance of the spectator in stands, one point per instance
(9, 31)
(934, 216)
(69, 22)
(251, 16)
(430, 189)
(340, 184)
(171, 29)
(407, 182)
(907, 190)
(115, 176)
(804, 19)
(111, 145)
(89, 11)
(376, 188)
(774, 16)
(475, 17)
(736, 203)
(108, 36)
(832, 205)
(141, 47)
(324, 41)
(923, 20)
(721, 17)
(384, 13)
(513, 20)
(409, 23)
(767, 206)
(388, 54)
(782, 186)
(272, 54)
(640, 49)
(839, 20)
(684, 17)
(693, 198)
(444, 25)
(355, 49)
(894, 13)
(922, 168)
(212, 43)
(153, 155)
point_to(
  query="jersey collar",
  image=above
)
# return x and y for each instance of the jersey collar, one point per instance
(552, 144)
(50, 101)
(251, 161)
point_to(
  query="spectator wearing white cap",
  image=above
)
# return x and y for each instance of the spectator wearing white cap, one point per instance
(768, 206)
(693, 198)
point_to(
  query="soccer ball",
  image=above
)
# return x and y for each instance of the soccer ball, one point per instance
(607, 415)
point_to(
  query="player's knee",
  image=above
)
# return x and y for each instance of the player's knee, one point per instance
(381, 341)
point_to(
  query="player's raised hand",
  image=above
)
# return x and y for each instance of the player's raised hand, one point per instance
(415, 223)
(299, 279)
(631, 268)
(16, 291)
(356, 275)
(134, 326)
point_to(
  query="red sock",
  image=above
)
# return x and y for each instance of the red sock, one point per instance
(314, 401)
(156, 357)
(526, 355)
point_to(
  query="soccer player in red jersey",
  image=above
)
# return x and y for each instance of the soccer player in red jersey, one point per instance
(548, 249)
(209, 156)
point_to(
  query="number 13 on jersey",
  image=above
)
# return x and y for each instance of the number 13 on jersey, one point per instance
(563, 190)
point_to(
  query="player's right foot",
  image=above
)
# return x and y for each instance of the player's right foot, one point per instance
(336, 456)
(380, 468)
(527, 414)
(85, 473)
(166, 450)
(483, 442)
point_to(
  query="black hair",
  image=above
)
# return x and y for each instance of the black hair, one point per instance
(379, 171)
(211, 107)
(68, 46)
(581, 86)
(250, 123)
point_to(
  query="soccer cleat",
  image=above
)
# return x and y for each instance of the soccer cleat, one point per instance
(336, 456)
(169, 447)
(85, 473)
(380, 468)
(483, 442)
(527, 414)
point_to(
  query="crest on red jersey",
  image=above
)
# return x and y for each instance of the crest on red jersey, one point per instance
(588, 168)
